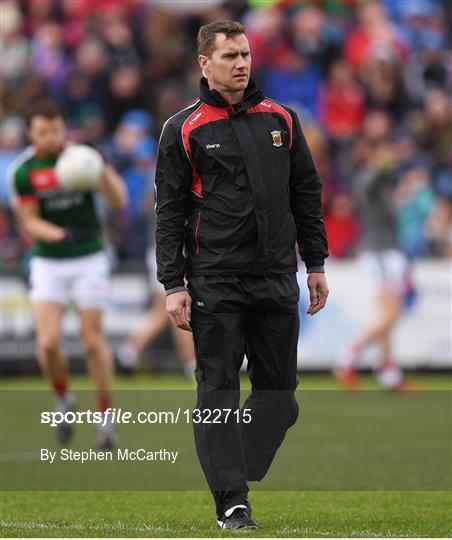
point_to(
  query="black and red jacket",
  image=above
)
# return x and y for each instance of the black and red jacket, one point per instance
(236, 187)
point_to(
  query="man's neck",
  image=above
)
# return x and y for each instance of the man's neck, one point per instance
(231, 97)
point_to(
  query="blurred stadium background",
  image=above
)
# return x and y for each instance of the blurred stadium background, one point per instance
(361, 74)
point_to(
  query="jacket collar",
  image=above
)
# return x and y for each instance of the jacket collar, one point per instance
(252, 96)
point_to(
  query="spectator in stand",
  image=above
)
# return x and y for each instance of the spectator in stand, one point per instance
(375, 33)
(296, 82)
(438, 134)
(421, 22)
(88, 127)
(268, 39)
(382, 77)
(407, 153)
(92, 62)
(124, 93)
(167, 47)
(75, 19)
(38, 13)
(443, 183)
(77, 89)
(132, 150)
(341, 226)
(12, 134)
(321, 153)
(12, 245)
(342, 103)
(49, 58)
(425, 28)
(315, 38)
(415, 201)
(117, 34)
(297, 76)
(14, 46)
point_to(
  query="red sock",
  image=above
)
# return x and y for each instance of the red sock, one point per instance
(60, 387)
(104, 401)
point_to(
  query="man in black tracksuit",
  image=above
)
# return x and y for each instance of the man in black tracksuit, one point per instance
(237, 190)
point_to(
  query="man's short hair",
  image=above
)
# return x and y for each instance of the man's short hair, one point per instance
(207, 34)
(47, 108)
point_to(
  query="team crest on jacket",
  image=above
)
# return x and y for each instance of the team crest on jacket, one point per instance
(277, 139)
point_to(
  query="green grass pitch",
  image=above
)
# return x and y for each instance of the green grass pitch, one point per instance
(191, 514)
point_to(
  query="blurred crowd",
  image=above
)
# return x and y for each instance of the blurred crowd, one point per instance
(370, 80)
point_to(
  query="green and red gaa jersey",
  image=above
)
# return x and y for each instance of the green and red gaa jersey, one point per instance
(34, 181)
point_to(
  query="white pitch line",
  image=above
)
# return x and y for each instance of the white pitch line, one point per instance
(362, 534)
(78, 526)
(146, 528)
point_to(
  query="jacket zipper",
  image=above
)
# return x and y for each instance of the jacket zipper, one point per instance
(230, 107)
(197, 231)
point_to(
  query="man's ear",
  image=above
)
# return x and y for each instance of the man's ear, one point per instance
(204, 64)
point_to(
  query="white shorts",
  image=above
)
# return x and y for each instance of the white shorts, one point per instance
(387, 269)
(83, 280)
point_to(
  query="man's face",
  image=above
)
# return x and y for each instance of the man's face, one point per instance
(47, 134)
(229, 67)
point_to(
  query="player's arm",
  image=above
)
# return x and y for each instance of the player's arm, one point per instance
(26, 208)
(112, 187)
(34, 226)
(306, 208)
(172, 181)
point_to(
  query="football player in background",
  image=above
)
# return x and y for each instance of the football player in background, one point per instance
(69, 263)
(386, 266)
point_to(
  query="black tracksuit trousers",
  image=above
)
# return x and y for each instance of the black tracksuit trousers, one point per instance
(233, 316)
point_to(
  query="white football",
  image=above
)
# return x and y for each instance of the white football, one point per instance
(79, 167)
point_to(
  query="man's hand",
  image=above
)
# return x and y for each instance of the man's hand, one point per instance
(178, 307)
(318, 292)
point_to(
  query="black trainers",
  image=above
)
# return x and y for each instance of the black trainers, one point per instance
(239, 519)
